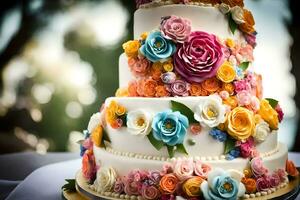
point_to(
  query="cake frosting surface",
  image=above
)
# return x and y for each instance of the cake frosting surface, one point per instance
(189, 119)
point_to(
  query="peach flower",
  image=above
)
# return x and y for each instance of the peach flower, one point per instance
(139, 67)
(147, 87)
(132, 89)
(155, 73)
(168, 183)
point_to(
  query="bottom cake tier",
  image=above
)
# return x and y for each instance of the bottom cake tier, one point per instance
(129, 176)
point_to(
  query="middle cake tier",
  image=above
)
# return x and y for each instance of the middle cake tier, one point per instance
(202, 144)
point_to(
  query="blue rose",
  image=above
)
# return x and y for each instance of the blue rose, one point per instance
(233, 153)
(170, 127)
(221, 185)
(157, 48)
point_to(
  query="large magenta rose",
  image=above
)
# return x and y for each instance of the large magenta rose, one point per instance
(199, 57)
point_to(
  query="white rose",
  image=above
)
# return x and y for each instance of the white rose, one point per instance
(224, 8)
(237, 14)
(210, 111)
(261, 131)
(139, 122)
(106, 178)
(94, 122)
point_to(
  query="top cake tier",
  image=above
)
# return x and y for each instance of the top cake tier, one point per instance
(205, 18)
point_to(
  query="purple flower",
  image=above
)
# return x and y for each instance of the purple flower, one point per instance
(168, 77)
(199, 57)
(119, 186)
(274, 180)
(251, 39)
(155, 177)
(176, 28)
(246, 147)
(150, 192)
(179, 88)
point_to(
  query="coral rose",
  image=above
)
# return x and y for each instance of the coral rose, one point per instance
(161, 91)
(191, 187)
(248, 26)
(168, 183)
(291, 168)
(139, 67)
(132, 89)
(131, 48)
(250, 185)
(226, 72)
(268, 114)
(240, 123)
(197, 90)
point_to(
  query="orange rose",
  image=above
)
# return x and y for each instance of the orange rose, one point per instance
(155, 72)
(132, 89)
(168, 183)
(161, 91)
(229, 87)
(231, 102)
(250, 185)
(248, 26)
(197, 90)
(233, 3)
(291, 168)
(211, 85)
(149, 88)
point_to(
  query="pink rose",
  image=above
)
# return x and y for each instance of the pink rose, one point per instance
(262, 184)
(183, 168)
(246, 147)
(281, 174)
(242, 85)
(257, 167)
(132, 187)
(280, 112)
(243, 98)
(176, 28)
(119, 186)
(199, 57)
(274, 180)
(167, 168)
(139, 66)
(201, 169)
(254, 104)
(150, 192)
(179, 88)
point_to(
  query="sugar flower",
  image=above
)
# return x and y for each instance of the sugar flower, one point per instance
(149, 192)
(131, 48)
(94, 122)
(106, 178)
(201, 169)
(170, 127)
(262, 130)
(218, 135)
(222, 184)
(168, 77)
(191, 186)
(257, 167)
(157, 48)
(237, 14)
(176, 28)
(210, 111)
(291, 168)
(168, 183)
(183, 168)
(263, 183)
(179, 88)
(246, 147)
(199, 57)
(250, 185)
(268, 114)
(119, 186)
(226, 72)
(244, 98)
(89, 165)
(139, 67)
(139, 122)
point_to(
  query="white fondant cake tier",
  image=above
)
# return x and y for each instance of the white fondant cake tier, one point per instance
(124, 73)
(124, 164)
(208, 19)
(205, 145)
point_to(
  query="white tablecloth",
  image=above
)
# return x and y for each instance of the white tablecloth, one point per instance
(45, 183)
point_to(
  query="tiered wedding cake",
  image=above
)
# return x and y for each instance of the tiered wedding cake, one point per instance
(189, 119)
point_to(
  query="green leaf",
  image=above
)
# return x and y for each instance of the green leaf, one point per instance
(232, 25)
(157, 144)
(181, 149)
(171, 151)
(183, 109)
(244, 66)
(69, 186)
(229, 145)
(272, 102)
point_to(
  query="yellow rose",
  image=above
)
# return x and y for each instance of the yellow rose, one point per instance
(240, 123)
(131, 48)
(121, 110)
(268, 114)
(168, 66)
(191, 187)
(226, 72)
(97, 136)
(122, 92)
(144, 35)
